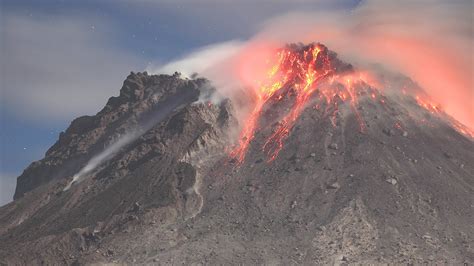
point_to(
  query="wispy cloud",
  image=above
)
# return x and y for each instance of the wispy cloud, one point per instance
(56, 67)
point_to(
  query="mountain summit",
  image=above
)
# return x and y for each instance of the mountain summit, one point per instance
(326, 167)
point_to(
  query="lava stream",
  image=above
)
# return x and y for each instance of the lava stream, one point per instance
(301, 70)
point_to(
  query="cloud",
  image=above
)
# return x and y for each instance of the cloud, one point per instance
(56, 67)
(7, 188)
(201, 59)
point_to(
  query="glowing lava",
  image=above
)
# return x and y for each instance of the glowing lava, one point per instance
(300, 72)
(436, 109)
(428, 105)
(306, 73)
(300, 69)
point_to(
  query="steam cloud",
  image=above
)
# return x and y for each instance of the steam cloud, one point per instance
(428, 41)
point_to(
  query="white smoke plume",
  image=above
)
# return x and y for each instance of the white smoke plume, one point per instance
(102, 157)
(201, 60)
(215, 62)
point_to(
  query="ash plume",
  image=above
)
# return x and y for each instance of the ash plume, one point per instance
(428, 41)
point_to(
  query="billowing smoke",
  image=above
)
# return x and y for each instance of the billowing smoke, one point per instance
(233, 67)
(429, 41)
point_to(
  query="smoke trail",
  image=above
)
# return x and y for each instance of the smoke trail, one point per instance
(146, 122)
(102, 157)
(201, 60)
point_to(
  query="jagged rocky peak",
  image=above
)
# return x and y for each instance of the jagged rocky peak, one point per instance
(143, 87)
(143, 99)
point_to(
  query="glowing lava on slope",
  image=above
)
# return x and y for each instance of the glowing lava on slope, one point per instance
(428, 105)
(305, 71)
(302, 70)
(436, 109)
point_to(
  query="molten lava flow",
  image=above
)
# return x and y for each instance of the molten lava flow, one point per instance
(462, 129)
(265, 92)
(306, 70)
(351, 82)
(428, 105)
(435, 109)
(303, 71)
(300, 69)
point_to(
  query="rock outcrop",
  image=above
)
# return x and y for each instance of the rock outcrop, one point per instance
(88, 135)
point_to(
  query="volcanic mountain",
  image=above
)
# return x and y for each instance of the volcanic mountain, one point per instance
(327, 166)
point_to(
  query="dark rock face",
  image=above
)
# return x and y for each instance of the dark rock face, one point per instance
(88, 135)
(334, 195)
(151, 171)
(322, 203)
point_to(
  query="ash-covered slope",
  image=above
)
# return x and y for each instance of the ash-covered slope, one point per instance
(141, 98)
(364, 176)
(163, 123)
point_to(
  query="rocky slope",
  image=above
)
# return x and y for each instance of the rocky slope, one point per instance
(400, 191)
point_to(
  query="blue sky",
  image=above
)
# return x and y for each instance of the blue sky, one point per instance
(63, 59)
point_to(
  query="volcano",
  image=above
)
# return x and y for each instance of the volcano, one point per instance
(330, 165)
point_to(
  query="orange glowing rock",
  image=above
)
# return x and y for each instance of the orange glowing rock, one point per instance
(306, 70)
(303, 70)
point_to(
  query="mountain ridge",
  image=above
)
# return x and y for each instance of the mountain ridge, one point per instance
(372, 181)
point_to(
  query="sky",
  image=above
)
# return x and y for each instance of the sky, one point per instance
(63, 59)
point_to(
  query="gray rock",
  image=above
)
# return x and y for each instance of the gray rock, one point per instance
(334, 185)
(333, 146)
(388, 131)
(293, 204)
(447, 155)
(392, 181)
